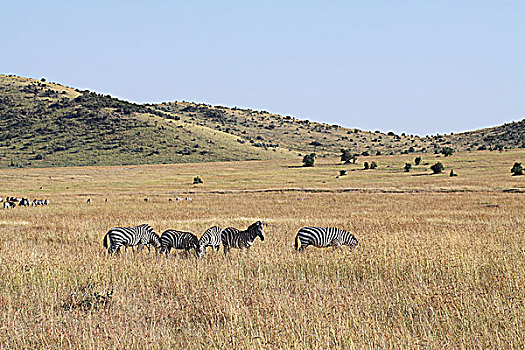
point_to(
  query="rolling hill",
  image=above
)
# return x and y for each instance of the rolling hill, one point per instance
(47, 124)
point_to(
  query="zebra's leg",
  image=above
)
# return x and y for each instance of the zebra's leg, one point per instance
(226, 250)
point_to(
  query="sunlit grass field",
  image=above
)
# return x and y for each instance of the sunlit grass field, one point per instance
(441, 262)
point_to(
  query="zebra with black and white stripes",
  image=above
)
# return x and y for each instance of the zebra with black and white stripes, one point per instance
(142, 235)
(179, 240)
(324, 237)
(235, 238)
(211, 238)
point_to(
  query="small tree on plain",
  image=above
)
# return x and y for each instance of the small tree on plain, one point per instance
(437, 168)
(373, 165)
(447, 151)
(452, 173)
(197, 180)
(342, 172)
(346, 156)
(308, 160)
(417, 160)
(407, 167)
(367, 166)
(517, 169)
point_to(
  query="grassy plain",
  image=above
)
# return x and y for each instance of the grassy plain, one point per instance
(441, 262)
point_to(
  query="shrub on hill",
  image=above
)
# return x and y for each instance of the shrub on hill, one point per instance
(309, 160)
(407, 167)
(417, 160)
(437, 168)
(517, 169)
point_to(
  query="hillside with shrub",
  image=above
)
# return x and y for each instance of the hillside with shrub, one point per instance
(47, 124)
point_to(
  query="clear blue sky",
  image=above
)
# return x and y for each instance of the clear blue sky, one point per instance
(419, 67)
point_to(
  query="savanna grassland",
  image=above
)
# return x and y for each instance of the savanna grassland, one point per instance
(441, 262)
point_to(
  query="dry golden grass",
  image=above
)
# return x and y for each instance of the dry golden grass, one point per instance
(439, 268)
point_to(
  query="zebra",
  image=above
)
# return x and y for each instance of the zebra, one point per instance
(179, 240)
(88, 201)
(324, 237)
(46, 201)
(9, 205)
(142, 235)
(234, 238)
(211, 238)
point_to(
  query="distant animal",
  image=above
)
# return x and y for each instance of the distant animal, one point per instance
(146, 199)
(179, 199)
(235, 238)
(142, 235)
(24, 202)
(9, 205)
(211, 238)
(46, 201)
(106, 200)
(37, 202)
(189, 199)
(179, 240)
(324, 237)
(1, 199)
(89, 200)
(41, 187)
(169, 199)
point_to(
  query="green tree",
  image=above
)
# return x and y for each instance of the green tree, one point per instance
(407, 167)
(309, 159)
(437, 168)
(517, 169)
(417, 160)
(367, 166)
(373, 165)
(346, 156)
(447, 151)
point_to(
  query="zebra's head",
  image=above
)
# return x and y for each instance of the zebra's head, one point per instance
(258, 228)
(353, 242)
(154, 238)
(198, 250)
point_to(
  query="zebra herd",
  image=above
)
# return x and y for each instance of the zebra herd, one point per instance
(144, 235)
(11, 202)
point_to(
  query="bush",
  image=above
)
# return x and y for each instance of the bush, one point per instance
(446, 151)
(342, 172)
(197, 180)
(407, 167)
(517, 169)
(373, 165)
(367, 166)
(417, 160)
(452, 173)
(437, 168)
(309, 159)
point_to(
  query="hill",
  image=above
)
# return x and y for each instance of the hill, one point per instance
(47, 124)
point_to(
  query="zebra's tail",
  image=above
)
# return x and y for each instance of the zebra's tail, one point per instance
(297, 242)
(105, 241)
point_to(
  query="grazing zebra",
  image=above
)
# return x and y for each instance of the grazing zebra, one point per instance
(234, 238)
(211, 238)
(142, 235)
(9, 205)
(324, 237)
(88, 201)
(179, 240)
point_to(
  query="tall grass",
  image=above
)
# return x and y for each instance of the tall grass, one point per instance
(434, 270)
